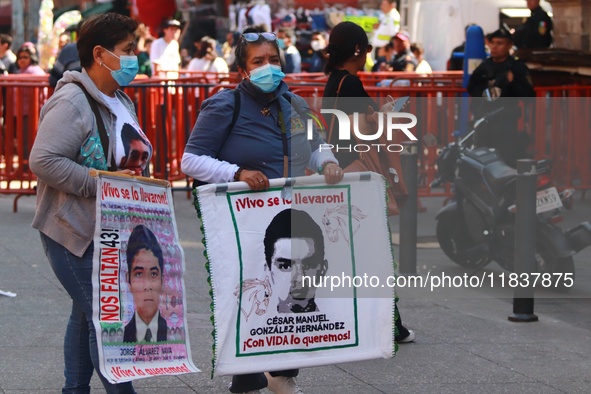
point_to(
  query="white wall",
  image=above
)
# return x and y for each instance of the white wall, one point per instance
(439, 24)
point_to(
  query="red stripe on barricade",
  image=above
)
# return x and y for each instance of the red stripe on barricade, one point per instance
(558, 122)
(20, 100)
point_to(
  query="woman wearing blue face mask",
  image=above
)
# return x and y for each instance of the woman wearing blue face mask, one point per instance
(88, 123)
(265, 139)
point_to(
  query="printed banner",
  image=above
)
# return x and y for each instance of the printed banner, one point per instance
(139, 294)
(273, 257)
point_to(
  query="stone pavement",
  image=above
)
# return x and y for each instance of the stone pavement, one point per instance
(465, 344)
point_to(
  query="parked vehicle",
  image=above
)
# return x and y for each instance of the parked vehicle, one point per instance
(478, 225)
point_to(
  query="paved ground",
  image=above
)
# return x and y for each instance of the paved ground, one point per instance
(465, 344)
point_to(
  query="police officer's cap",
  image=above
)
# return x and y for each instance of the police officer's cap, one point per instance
(501, 33)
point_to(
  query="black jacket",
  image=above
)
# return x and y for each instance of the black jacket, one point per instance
(129, 335)
(536, 33)
(489, 72)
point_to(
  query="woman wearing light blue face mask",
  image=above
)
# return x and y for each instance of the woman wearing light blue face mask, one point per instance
(67, 147)
(264, 138)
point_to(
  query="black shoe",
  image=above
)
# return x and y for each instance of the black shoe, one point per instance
(247, 382)
(410, 337)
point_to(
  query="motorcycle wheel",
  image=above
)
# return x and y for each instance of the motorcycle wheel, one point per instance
(547, 263)
(454, 240)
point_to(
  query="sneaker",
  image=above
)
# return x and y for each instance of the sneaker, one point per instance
(282, 384)
(409, 338)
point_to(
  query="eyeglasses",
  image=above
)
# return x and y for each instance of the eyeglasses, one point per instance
(252, 37)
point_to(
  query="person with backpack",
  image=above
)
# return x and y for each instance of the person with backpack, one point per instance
(80, 129)
(252, 134)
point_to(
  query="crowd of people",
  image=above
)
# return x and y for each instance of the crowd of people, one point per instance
(160, 54)
(251, 147)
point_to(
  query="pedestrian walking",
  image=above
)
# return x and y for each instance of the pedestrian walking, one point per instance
(266, 140)
(347, 49)
(80, 129)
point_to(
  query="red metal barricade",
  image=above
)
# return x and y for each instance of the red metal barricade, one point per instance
(20, 100)
(558, 122)
(561, 130)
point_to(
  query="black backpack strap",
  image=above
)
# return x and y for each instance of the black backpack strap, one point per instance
(101, 126)
(236, 110)
(235, 115)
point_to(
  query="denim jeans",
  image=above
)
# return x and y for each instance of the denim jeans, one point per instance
(80, 346)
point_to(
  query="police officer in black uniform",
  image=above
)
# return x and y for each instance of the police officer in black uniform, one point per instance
(501, 76)
(536, 33)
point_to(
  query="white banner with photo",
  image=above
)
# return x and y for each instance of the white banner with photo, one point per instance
(287, 267)
(139, 294)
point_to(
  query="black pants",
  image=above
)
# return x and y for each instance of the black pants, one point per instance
(401, 331)
(257, 381)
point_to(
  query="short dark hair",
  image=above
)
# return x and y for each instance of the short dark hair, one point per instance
(6, 39)
(500, 33)
(106, 30)
(342, 41)
(143, 238)
(318, 33)
(128, 134)
(241, 51)
(417, 47)
(292, 223)
(207, 43)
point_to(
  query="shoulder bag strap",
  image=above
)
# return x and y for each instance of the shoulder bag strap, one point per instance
(101, 126)
(283, 141)
(235, 115)
(335, 107)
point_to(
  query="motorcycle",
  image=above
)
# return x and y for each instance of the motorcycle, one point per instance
(478, 225)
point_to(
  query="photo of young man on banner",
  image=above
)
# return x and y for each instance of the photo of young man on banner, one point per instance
(291, 253)
(139, 289)
(145, 264)
(271, 265)
(293, 264)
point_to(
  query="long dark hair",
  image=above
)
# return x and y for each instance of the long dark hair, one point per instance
(343, 40)
(31, 51)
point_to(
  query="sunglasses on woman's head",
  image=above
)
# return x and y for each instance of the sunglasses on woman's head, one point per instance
(252, 37)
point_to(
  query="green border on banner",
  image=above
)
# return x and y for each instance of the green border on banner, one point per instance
(356, 343)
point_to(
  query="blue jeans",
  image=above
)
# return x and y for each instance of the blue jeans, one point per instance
(80, 346)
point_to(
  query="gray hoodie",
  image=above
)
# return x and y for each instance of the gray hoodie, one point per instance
(66, 147)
